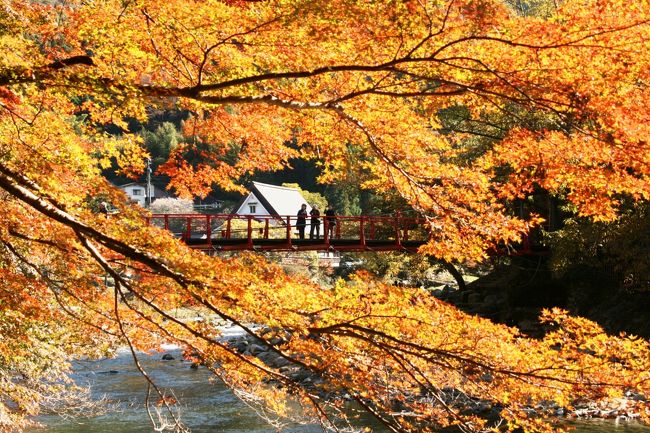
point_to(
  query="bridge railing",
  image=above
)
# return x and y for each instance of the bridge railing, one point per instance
(248, 230)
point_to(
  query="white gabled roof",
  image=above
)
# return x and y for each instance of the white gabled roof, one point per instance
(283, 200)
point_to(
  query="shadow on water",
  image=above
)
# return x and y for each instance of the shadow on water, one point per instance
(207, 406)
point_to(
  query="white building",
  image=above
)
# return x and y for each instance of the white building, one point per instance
(137, 192)
(277, 201)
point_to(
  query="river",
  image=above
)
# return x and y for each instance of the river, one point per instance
(207, 405)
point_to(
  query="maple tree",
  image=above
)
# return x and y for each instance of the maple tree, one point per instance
(325, 74)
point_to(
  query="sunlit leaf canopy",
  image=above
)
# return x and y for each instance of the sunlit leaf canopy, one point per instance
(315, 79)
(376, 74)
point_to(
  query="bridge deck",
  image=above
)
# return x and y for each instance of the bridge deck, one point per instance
(273, 233)
(226, 232)
(301, 245)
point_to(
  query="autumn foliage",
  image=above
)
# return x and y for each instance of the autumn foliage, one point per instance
(564, 97)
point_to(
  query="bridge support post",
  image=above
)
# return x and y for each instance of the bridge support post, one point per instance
(208, 230)
(188, 229)
(362, 232)
(250, 231)
(398, 239)
(289, 231)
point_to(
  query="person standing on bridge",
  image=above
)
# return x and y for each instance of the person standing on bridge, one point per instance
(330, 221)
(315, 222)
(301, 222)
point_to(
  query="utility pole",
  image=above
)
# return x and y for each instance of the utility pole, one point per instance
(148, 198)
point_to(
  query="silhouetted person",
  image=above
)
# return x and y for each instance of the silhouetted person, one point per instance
(315, 222)
(330, 217)
(301, 222)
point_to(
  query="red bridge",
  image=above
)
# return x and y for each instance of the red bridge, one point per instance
(272, 233)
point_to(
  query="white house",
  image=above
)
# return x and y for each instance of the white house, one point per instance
(277, 201)
(137, 192)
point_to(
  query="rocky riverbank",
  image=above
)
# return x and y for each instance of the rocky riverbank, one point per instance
(621, 409)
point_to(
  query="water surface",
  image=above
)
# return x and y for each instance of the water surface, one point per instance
(207, 406)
